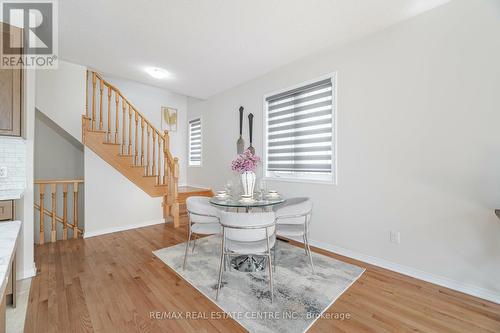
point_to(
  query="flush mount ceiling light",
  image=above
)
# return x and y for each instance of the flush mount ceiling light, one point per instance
(157, 73)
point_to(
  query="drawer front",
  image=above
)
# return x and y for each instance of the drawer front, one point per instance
(6, 210)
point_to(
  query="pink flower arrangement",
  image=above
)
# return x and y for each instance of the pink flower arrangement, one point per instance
(245, 162)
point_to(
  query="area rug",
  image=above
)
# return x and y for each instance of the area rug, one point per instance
(300, 297)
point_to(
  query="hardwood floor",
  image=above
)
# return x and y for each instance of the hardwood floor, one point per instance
(111, 283)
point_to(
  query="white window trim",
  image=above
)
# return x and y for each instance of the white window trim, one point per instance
(297, 177)
(189, 143)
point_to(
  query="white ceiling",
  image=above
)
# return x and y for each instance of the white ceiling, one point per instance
(212, 45)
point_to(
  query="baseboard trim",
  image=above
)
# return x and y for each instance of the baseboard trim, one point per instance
(442, 281)
(88, 234)
(27, 273)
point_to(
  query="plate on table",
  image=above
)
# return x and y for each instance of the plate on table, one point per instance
(221, 195)
(247, 199)
(273, 195)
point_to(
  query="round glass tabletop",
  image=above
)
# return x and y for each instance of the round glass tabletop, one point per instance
(236, 202)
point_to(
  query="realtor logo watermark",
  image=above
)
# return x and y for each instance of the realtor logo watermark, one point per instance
(29, 34)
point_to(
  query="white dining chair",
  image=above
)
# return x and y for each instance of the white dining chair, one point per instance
(203, 220)
(293, 219)
(247, 234)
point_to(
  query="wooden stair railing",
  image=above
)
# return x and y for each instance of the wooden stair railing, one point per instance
(139, 143)
(67, 186)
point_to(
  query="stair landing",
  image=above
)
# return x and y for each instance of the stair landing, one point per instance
(189, 191)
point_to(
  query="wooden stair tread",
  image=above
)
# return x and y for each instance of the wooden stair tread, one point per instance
(188, 189)
(123, 163)
(111, 143)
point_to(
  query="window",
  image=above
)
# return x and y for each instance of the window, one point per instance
(299, 132)
(195, 142)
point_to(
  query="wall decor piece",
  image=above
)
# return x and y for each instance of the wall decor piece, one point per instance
(240, 144)
(168, 119)
(250, 130)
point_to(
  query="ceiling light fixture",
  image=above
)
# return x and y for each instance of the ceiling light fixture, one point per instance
(157, 73)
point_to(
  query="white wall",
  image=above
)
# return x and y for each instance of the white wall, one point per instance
(112, 202)
(418, 145)
(53, 143)
(148, 100)
(60, 95)
(25, 258)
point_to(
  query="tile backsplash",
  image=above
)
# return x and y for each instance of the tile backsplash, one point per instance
(13, 158)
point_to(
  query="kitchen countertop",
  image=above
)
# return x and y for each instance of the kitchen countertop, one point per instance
(11, 194)
(9, 232)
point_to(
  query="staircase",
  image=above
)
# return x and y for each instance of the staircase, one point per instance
(118, 133)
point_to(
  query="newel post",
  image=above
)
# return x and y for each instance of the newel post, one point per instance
(175, 205)
(166, 166)
(166, 197)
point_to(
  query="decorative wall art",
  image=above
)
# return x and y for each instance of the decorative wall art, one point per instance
(168, 119)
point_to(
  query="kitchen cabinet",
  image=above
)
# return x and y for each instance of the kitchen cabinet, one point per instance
(10, 92)
(6, 210)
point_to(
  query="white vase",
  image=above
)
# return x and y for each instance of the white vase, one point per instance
(248, 182)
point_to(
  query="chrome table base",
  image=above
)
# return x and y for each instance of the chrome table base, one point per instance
(249, 263)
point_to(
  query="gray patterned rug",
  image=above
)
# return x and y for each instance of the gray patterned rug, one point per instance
(299, 296)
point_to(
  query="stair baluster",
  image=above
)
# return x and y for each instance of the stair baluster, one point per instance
(136, 143)
(65, 211)
(166, 143)
(53, 189)
(159, 161)
(129, 151)
(153, 168)
(147, 148)
(124, 126)
(175, 192)
(75, 210)
(94, 77)
(108, 134)
(101, 88)
(42, 216)
(117, 100)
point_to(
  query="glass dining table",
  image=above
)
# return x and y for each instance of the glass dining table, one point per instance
(247, 263)
(247, 205)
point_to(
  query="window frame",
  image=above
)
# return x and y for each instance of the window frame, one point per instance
(189, 143)
(298, 177)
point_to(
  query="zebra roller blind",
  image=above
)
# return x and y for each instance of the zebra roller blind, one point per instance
(195, 142)
(300, 130)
